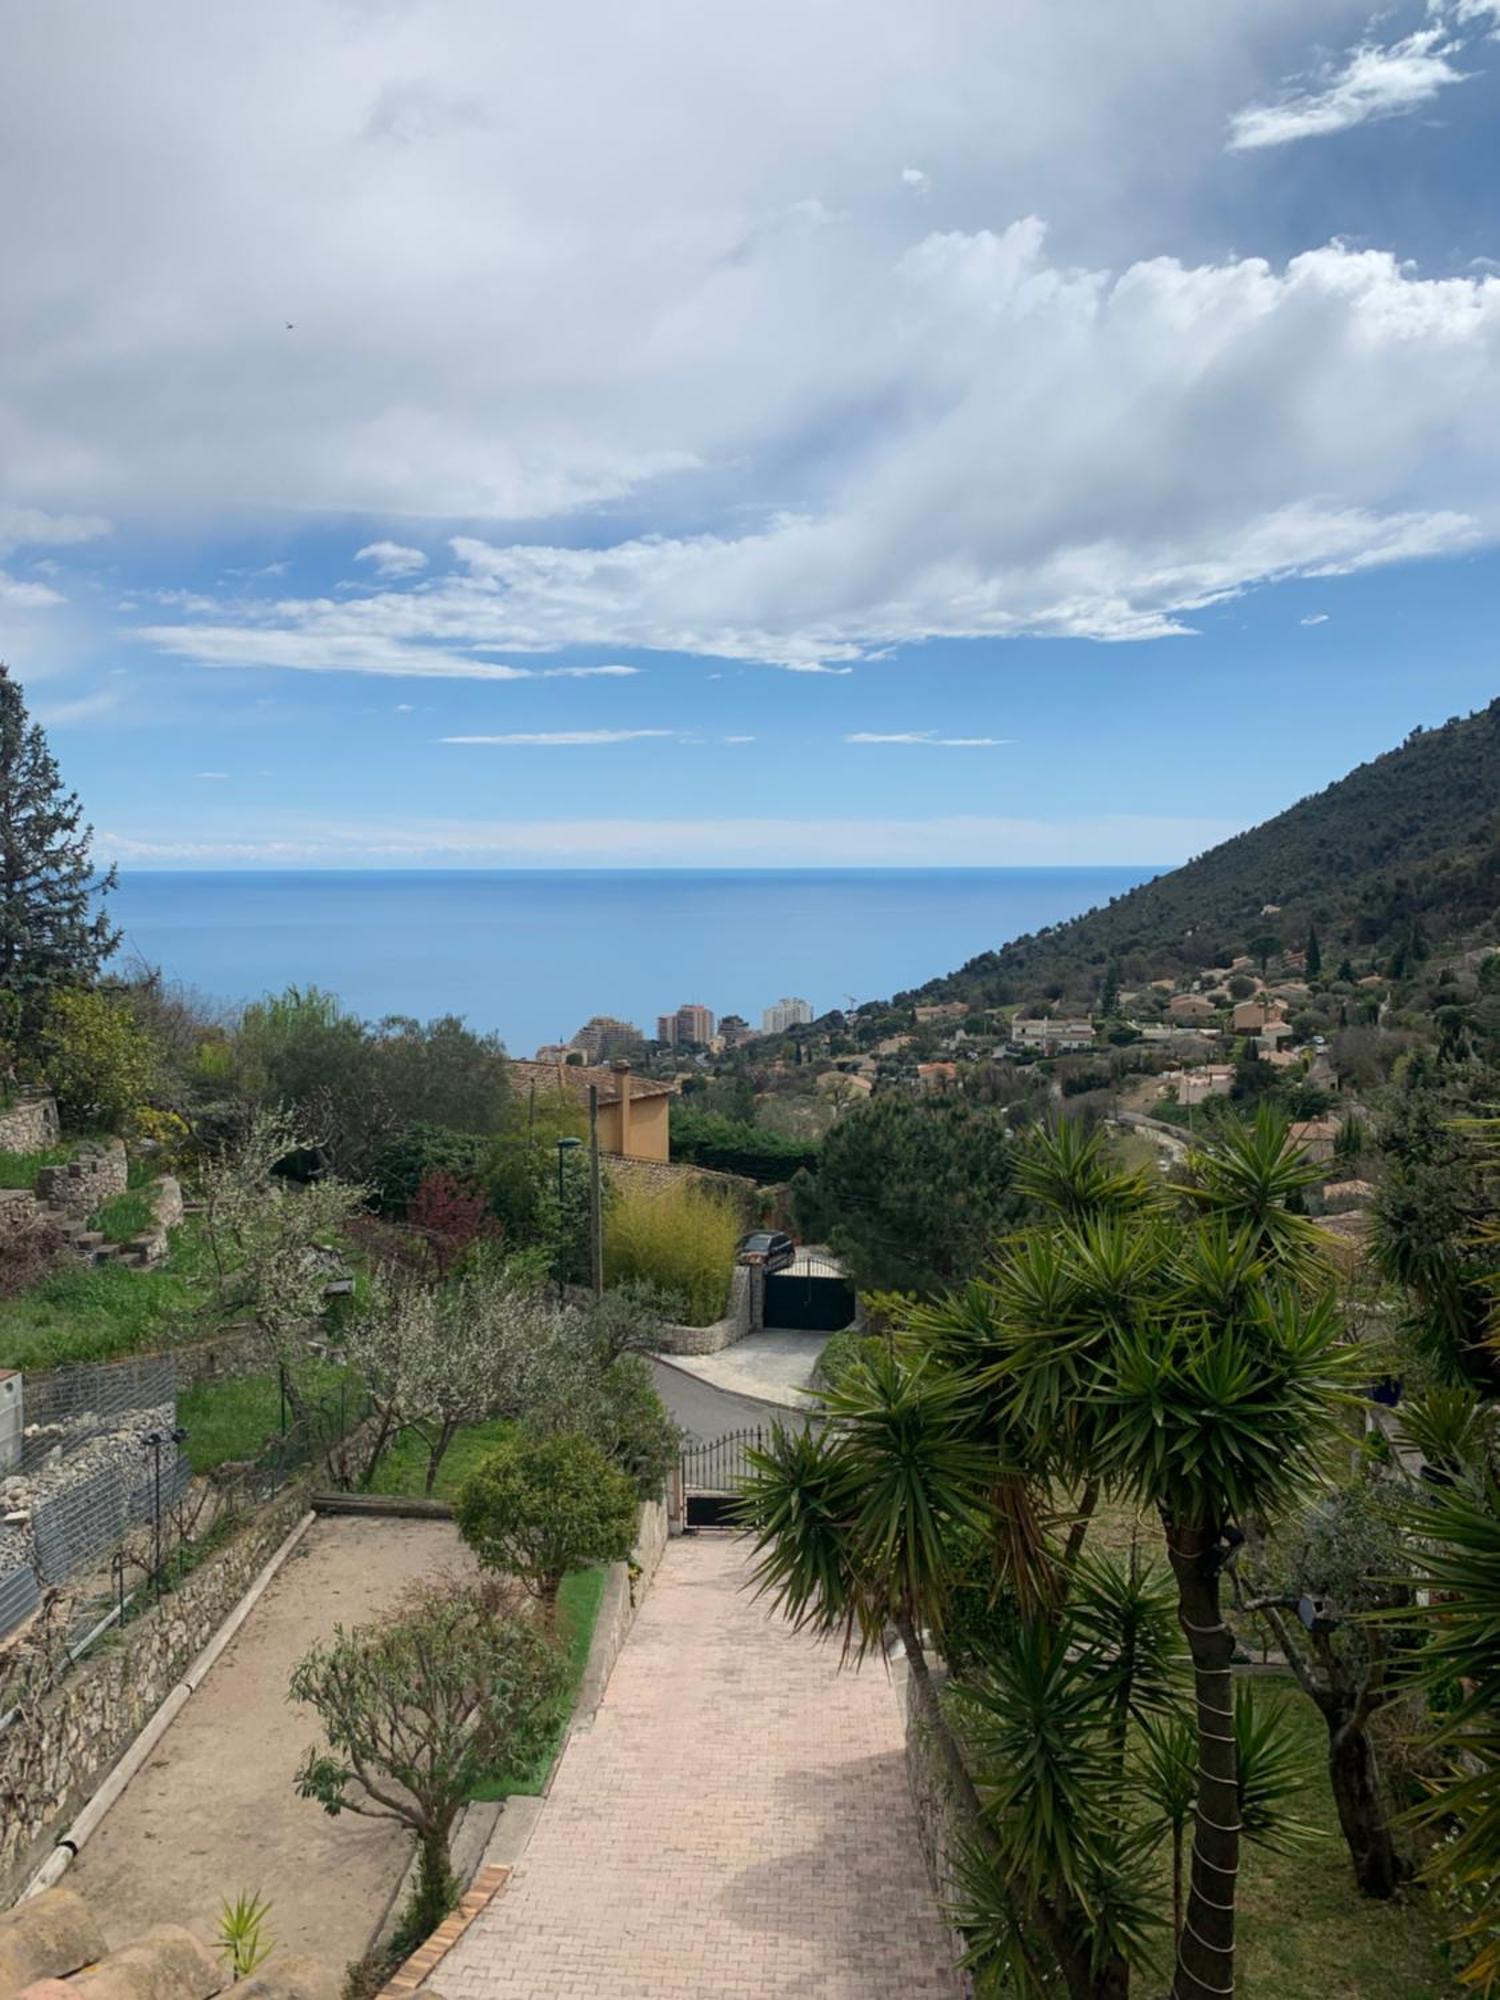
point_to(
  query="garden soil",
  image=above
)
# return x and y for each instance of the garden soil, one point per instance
(214, 1812)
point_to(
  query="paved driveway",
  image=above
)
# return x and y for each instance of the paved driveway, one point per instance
(735, 1825)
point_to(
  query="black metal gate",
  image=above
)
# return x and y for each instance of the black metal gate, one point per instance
(813, 1295)
(710, 1473)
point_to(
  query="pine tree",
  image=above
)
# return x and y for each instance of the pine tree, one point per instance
(1314, 953)
(51, 934)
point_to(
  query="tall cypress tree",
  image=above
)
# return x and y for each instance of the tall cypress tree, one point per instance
(1314, 952)
(51, 931)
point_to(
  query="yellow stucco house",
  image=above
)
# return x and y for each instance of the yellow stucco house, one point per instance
(634, 1111)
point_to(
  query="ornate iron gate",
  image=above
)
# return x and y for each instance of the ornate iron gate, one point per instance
(813, 1295)
(710, 1472)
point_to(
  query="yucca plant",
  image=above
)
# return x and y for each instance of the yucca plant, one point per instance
(242, 1937)
(1460, 1526)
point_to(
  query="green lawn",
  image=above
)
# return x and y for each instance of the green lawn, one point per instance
(80, 1314)
(577, 1611)
(404, 1467)
(1305, 1933)
(236, 1416)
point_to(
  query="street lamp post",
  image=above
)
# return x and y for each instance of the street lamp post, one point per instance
(564, 1147)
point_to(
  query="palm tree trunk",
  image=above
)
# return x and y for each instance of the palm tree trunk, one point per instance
(1205, 1949)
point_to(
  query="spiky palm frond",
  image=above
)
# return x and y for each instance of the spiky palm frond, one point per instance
(1250, 1175)
(1124, 1614)
(1068, 1169)
(1273, 1772)
(1036, 1723)
(1211, 1423)
(1451, 1427)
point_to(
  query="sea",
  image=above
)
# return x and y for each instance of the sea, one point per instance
(531, 955)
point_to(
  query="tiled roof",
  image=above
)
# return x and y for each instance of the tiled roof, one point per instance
(575, 1078)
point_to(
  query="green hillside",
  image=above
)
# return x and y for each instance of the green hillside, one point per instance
(1406, 847)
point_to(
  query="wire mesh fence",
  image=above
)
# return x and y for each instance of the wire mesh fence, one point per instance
(67, 1408)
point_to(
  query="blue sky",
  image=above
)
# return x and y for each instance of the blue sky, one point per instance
(430, 437)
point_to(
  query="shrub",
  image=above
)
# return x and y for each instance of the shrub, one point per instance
(540, 1507)
(737, 1146)
(453, 1215)
(94, 1057)
(27, 1256)
(622, 1413)
(413, 1155)
(681, 1238)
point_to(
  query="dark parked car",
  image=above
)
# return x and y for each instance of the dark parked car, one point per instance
(771, 1249)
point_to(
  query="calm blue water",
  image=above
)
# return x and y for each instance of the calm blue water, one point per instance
(534, 954)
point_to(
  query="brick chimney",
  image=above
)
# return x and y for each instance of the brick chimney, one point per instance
(621, 1070)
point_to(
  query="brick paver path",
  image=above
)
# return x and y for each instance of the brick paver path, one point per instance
(735, 1825)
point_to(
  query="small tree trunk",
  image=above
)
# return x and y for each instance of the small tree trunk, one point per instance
(1380, 1867)
(1205, 1948)
(377, 1446)
(434, 1892)
(551, 1585)
(445, 1435)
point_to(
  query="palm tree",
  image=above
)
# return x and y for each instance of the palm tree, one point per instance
(1198, 1370)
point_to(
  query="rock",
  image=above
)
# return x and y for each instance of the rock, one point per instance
(47, 1937)
(167, 1963)
(289, 1978)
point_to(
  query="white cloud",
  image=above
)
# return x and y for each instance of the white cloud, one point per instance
(916, 180)
(83, 708)
(18, 596)
(1134, 490)
(33, 527)
(213, 774)
(1373, 80)
(1315, 618)
(391, 559)
(929, 738)
(564, 736)
(955, 840)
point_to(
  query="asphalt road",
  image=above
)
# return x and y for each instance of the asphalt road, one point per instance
(705, 1412)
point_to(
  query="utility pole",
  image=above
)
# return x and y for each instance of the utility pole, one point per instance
(596, 1198)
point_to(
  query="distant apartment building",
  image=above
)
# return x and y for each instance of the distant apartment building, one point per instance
(691, 1026)
(785, 1014)
(603, 1038)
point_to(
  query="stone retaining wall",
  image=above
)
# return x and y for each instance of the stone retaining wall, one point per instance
(743, 1315)
(54, 1753)
(85, 1183)
(30, 1125)
(940, 1819)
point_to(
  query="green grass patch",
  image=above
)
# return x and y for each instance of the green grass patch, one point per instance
(79, 1314)
(19, 1170)
(123, 1216)
(235, 1417)
(404, 1467)
(1304, 1930)
(577, 1613)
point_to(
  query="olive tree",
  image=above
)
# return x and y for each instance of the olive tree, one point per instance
(417, 1710)
(273, 1241)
